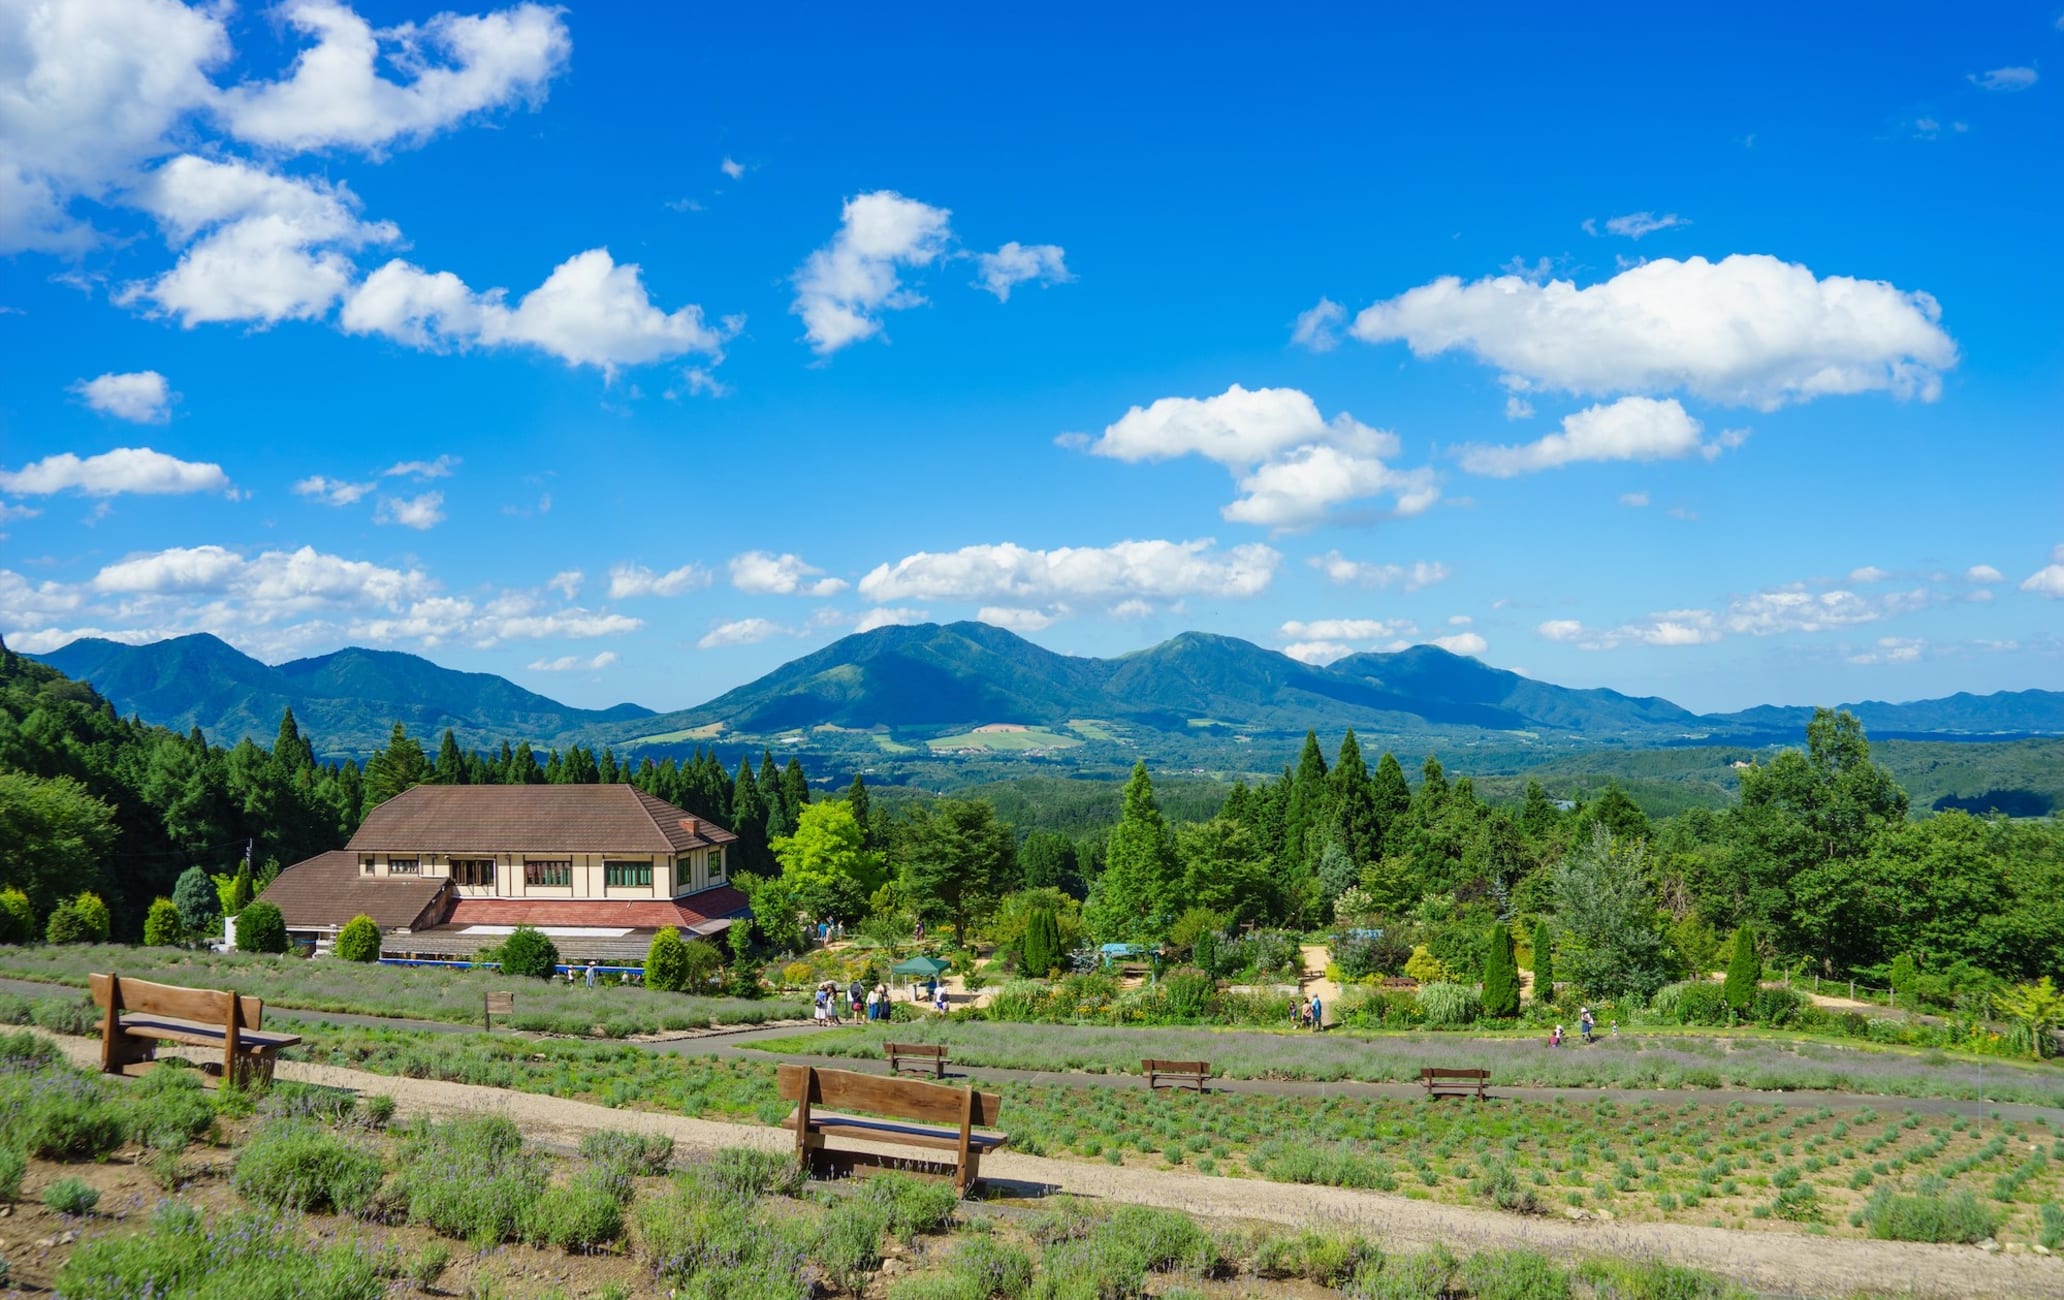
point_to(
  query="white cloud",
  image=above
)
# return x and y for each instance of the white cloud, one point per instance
(1416, 576)
(1014, 619)
(1634, 225)
(1632, 428)
(1983, 573)
(271, 585)
(1892, 650)
(744, 631)
(1317, 653)
(425, 510)
(637, 580)
(1319, 328)
(2049, 580)
(1518, 408)
(1746, 330)
(875, 618)
(573, 663)
(1291, 464)
(1561, 629)
(1348, 629)
(439, 468)
(1634, 500)
(331, 491)
(567, 583)
(1153, 570)
(1460, 620)
(731, 168)
(141, 397)
(92, 91)
(589, 311)
(1927, 128)
(766, 574)
(460, 65)
(1015, 263)
(1462, 643)
(1676, 627)
(259, 247)
(125, 469)
(1793, 609)
(1131, 609)
(1869, 573)
(2005, 79)
(843, 287)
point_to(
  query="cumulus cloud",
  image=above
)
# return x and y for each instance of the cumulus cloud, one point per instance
(843, 288)
(1291, 464)
(1462, 643)
(1983, 573)
(1634, 500)
(2048, 580)
(1015, 263)
(1794, 609)
(2005, 79)
(331, 491)
(1015, 619)
(1343, 571)
(442, 467)
(567, 583)
(636, 580)
(744, 631)
(1147, 570)
(140, 397)
(422, 511)
(1632, 428)
(459, 65)
(590, 311)
(1319, 328)
(1349, 629)
(1748, 330)
(1892, 650)
(137, 470)
(732, 168)
(875, 618)
(1676, 627)
(766, 574)
(573, 663)
(1518, 408)
(1634, 225)
(1317, 653)
(1869, 573)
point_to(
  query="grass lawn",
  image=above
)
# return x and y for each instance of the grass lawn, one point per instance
(409, 992)
(1005, 742)
(1741, 1059)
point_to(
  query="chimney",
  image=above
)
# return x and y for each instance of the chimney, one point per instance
(692, 826)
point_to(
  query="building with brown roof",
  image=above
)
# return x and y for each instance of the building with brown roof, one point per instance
(447, 870)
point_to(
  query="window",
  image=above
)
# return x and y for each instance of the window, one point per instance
(365, 865)
(716, 864)
(554, 872)
(404, 867)
(626, 874)
(473, 871)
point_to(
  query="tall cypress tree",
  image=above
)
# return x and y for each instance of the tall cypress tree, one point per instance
(1134, 897)
(450, 768)
(1356, 827)
(795, 790)
(781, 819)
(1305, 809)
(1544, 964)
(749, 819)
(1433, 784)
(290, 749)
(856, 800)
(1501, 975)
(1744, 972)
(1392, 796)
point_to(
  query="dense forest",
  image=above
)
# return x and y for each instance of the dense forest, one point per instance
(1819, 856)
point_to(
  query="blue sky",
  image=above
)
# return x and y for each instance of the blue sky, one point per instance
(631, 351)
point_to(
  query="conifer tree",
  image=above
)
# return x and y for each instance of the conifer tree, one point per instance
(1355, 825)
(1744, 972)
(1134, 898)
(1433, 784)
(1501, 975)
(199, 904)
(1537, 814)
(856, 799)
(795, 790)
(289, 749)
(1392, 797)
(780, 817)
(1544, 964)
(450, 768)
(749, 819)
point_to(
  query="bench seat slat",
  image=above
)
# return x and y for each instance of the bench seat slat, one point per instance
(858, 1126)
(186, 1031)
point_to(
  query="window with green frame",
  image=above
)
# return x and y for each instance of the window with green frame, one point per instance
(626, 875)
(549, 873)
(716, 864)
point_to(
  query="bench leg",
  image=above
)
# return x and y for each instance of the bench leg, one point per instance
(969, 1173)
(254, 1070)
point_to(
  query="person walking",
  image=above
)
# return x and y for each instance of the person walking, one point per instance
(855, 995)
(1318, 1015)
(939, 998)
(1585, 1024)
(818, 1008)
(591, 973)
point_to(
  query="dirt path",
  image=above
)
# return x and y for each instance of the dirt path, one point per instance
(1314, 957)
(1780, 1262)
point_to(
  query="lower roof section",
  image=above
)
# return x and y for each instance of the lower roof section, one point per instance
(695, 912)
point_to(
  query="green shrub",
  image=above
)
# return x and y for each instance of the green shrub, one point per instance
(1744, 970)
(27, 1049)
(297, 1165)
(666, 961)
(716, 1248)
(744, 1173)
(1445, 1005)
(71, 1196)
(162, 927)
(61, 1114)
(169, 1108)
(1776, 1007)
(1514, 1275)
(1315, 1257)
(1502, 1188)
(183, 1254)
(528, 953)
(469, 1178)
(1957, 1217)
(17, 917)
(1422, 1275)
(642, 1154)
(198, 901)
(358, 941)
(1501, 975)
(83, 919)
(428, 1265)
(261, 928)
(1616, 1279)
(583, 1214)
(377, 1109)
(13, 1165)
(1187, 995)
(2051, 1235)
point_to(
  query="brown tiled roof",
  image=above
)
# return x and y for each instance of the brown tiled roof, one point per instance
(328, 890)
(533, 819)
(647, 914)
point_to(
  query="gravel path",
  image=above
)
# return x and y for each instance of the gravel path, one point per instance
(1773, 1261)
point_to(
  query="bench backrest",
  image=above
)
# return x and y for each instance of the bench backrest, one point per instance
(203, 1006)
(1175, 1067)
(914, 1049)
(1434, 1072)
(927, 1103)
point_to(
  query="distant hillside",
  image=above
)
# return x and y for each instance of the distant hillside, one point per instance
(2003, 712)
(347, 701)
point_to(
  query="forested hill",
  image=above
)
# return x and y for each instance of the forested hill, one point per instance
(349, 699)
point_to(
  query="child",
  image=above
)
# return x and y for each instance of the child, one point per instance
(939, 999)
(1555, 1039)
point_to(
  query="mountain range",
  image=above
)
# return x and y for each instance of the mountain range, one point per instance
(902, 687)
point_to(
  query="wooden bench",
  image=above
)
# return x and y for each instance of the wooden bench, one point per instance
(916, 1058)
(137, 1016)
(1399, 984)
(930, 1116)
(1455, 1083)
(1176, 1074)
